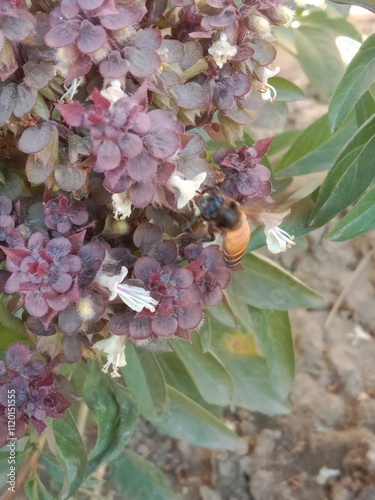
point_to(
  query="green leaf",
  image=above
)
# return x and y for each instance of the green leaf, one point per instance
(41, 109)
(351, 174)
(266, 285)
(12, 328)
(116, 414)
(71, 453)
(286, 90)
(185, 419)
(35, 490)
(138, 479)
(274, 333)
(253, 389)
(206, 371)
(281, 143)
(366, 4)
(53, 467)
(315, 149)
(13, 185)
(358, 77)
(359, 220)
(177, 376)
(319, 58)
(364, 108)
(145, 379)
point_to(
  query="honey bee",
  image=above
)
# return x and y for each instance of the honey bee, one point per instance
(224, 215)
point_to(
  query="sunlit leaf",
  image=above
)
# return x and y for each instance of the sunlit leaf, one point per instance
(351, 174)
(253, 388)
(264, 284)
(315, 149)
(286, 90)
(359, 220)
(358, 77)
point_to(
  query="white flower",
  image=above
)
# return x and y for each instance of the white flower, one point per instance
(187, 187)
(121, 206)
(135, 297)
(72, 89)
(111, 282)
(114, 92)
(277, 239)
(222, 51)
(114, 347)
(268, 92)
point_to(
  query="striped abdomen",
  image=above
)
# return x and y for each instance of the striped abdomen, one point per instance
(235, 242)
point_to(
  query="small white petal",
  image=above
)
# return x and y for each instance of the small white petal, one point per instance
(111, 282)
(136, 297)
(114, 92)
(114, 347)
(186, 187)
(278, 240)
(222, 51)
(121, 206)
(72, 89)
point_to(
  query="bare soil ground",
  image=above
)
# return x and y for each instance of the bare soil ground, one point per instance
(325, 449)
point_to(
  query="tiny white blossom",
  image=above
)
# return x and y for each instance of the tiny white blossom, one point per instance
(72, 89)
(186, 187)
(113, 92)
(277, 239)
(121, 206)
(135, 297)
(268, 92)
(114, 347)
(111, 282)
(222, 51)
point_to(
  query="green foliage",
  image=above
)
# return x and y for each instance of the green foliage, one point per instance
(145, 379)
(358, 77)
(137, 478)
(350, 176)
(185, 419)
(71, 454)
(266, 285)
(359, 220)
(116, 413)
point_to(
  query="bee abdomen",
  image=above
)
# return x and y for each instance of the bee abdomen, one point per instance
(235, 243)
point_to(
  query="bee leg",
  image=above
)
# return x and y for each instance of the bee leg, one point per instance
(188, 225)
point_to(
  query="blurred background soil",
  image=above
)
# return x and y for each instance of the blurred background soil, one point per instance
(325, 449)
